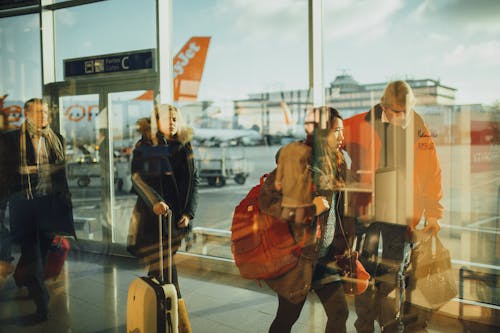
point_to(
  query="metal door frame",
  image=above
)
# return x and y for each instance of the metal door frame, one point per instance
(101, 86)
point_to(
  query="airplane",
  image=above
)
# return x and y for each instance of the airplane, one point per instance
(212, 137)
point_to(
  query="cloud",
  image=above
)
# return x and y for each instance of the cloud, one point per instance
(278, 19)
(66, 18)
(485, 54)
(368, 19)
(438, 38)
(478, 16)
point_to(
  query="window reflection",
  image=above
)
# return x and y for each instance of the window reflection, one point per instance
(454, 100)
(250, 98)
(238, 125)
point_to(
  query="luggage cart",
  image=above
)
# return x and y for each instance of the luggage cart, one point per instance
(387, 261)
(217, 164)
(83, 172)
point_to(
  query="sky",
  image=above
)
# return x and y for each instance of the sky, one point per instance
(261, 46)
(454, 41)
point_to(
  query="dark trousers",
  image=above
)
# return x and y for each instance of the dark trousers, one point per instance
(333, 299)
(34, 248)
(374, 305)
(34, 245)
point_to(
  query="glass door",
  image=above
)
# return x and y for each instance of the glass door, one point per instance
(81, 123)
(125, 109)
(97, 117)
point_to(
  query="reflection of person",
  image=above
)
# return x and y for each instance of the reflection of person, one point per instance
(175, 188)
(392, 136)
(39, 199)
(326, 281)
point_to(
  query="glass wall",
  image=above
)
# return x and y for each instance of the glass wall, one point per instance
(241, 80)
(82, 112)
(444, 54)
(20, 64)
(254, 55)
(89, 30)
(99, 130)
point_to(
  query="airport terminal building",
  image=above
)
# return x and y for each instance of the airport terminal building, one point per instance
(343, 93)
(244, 75)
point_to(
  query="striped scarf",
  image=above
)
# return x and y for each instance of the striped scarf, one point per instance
(48, 140)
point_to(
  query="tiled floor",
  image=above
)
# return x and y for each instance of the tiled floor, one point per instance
(91, 294)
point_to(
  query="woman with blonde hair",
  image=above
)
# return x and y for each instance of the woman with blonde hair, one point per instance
(164, 177)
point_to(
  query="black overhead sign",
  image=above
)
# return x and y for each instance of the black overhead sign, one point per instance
(109, 63)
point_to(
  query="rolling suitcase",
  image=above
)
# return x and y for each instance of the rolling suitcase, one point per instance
(152, 304)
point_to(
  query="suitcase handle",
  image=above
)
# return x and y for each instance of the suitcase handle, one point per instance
(169, 250)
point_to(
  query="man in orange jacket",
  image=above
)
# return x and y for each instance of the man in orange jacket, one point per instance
(392, 152)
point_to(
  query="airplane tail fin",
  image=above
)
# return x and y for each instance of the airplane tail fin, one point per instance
(189, 63)
(188, 68)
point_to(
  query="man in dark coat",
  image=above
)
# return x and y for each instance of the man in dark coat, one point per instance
(33, 180)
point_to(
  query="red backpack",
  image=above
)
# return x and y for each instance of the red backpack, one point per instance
(263, 246)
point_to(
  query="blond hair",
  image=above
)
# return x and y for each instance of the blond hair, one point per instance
(398, 93)
(184, 133)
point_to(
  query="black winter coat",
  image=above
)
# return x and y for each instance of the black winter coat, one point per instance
(177, 187)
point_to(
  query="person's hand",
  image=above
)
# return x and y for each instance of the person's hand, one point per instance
(320, 204)
(432, 226)
(277, 186)
(183, 221)
(160, 208)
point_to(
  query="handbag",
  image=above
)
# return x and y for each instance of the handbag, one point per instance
(356, 278)
(58, 252)
(431, 279)
(56, 257)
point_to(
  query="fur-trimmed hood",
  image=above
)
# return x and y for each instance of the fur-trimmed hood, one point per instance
(185, 135)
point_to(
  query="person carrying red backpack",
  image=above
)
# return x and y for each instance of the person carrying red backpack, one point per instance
(320, 165)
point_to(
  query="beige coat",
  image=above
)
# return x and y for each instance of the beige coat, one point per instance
(294, 175)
